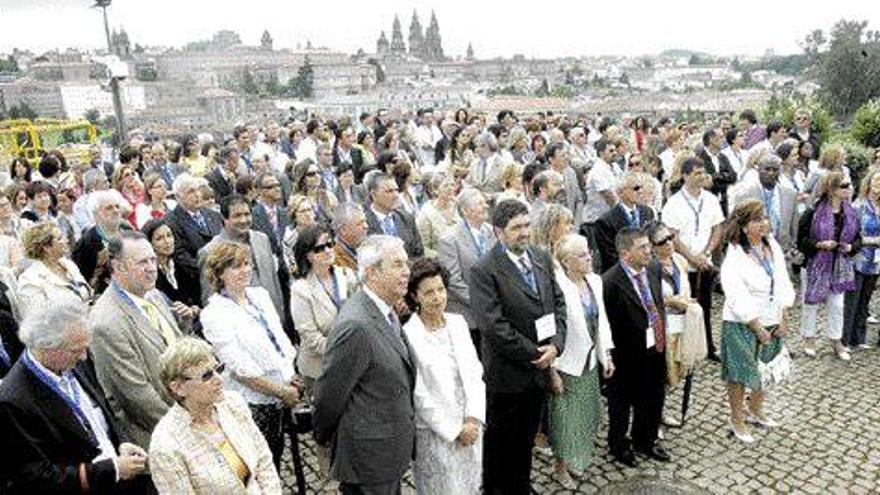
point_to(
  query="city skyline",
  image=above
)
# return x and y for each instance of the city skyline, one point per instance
(165, 23)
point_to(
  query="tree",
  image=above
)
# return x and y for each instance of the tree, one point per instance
(9, 65)
(305, 79)
(847, 66)
(22, 111)
(93, 116)
(248, 84)
(866, 126)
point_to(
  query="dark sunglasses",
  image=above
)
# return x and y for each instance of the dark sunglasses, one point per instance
(208, 375)
(844, 186)
(311, 173)
(636, 188)
(272, 186)
(664, 240)
(326, 245)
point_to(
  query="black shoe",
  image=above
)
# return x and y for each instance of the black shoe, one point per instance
(657, 452)
(626, 458)
(714, 357)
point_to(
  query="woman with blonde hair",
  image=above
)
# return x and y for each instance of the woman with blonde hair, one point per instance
(207, 442)
(439, 215)
(511, 179)
(555, 223)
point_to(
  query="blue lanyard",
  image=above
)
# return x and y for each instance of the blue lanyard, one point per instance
(696, 211)
(334, 296)
(252, 311)
(676, 279)
(72, 403)
(588, 300)
(766, 263)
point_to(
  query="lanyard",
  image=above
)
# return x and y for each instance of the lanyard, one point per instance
(766, 263)
(588, 300)
(697, 211)
(72, 402)
(255, 314)
(675, 276)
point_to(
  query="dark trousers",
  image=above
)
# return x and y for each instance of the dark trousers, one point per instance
(855, 310)
(702, 285)
(383, 489)
(268, 418)
(640, 393)
(511, 424)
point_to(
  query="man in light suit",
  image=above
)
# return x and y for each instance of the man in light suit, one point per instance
(629, 212)
(485, 173)
(132, 325)
(459, 251)
(363, 405)
(511, 288)
(236, 214)
(779, 201)
(384, 217)
(59, 435)
(636, 313)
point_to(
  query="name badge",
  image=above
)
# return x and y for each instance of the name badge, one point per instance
(649, 338)
(545, 327)
(770, 312)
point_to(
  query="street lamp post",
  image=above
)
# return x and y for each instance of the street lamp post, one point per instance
(114, 78)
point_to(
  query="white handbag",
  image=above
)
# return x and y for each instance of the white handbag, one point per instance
(777, 370)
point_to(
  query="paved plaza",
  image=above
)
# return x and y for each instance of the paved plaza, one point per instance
(828, 441)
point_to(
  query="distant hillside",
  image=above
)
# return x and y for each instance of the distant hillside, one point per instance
(786, 65)
(681, 52)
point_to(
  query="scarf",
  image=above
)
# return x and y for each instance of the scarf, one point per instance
(831, 272)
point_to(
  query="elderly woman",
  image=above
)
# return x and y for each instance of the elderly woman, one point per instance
(758, 294)
(450, 396)
(439, 214)
(575, 404)
(867, 265)
(301, 213)
(829, 235)
(245, 330)
(207, 442)
(51, 277)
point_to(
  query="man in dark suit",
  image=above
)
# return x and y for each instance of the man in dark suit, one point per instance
(59, 435)
(269, 217)
(192, 226)
(222, 178)
(105, 206)
(630, 211)
(520, 311)
(717, 165)
(634, 304)
(384, 217)
(363, 405)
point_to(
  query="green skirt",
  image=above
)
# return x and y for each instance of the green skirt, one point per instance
(575, 415)
(739, 354)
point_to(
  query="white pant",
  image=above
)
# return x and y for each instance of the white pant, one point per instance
(834, 307)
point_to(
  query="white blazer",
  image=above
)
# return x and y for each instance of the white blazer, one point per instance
(434, 394)
(579, 347)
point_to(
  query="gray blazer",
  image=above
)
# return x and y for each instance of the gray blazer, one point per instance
(364, 397)
(788, 222)
(457, 253)
(126, 352)
(265, 268)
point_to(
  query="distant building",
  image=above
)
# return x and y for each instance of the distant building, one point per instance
(266, 41)
(424, 45)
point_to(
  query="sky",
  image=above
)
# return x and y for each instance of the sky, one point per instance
(531, 28)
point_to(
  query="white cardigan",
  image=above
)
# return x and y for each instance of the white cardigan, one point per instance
(747, 286)
(434, 395)
(577, 338)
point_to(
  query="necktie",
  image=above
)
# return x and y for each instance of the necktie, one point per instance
(200, 221)
(481, 171)
(480, 241)
(388, 225)
(528, 274)
(158, 322)
(633, 217)
(771, 211)
(653, 316)
(398, 330)
(4, 356)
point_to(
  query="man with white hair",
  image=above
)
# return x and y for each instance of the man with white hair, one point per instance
(93, 180)
(363, 405)
(350, 227)
(485, 173)
(106, 208)
(58, 432)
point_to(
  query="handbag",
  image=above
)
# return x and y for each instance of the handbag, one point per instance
(777, 370)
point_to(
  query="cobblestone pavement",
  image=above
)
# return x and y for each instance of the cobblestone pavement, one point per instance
(828, 441)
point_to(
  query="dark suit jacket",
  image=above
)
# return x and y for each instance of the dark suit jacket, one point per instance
(629, 320)
(85, 253)
(187, 287)
(506, 309)
(363, 398)
(189, 238)
(607, 227)
(406, 230)
(722, 178)
(261, 223)
(219, 184)
(43, 441)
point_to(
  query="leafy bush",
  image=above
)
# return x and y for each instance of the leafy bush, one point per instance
(783, 108)
(858, 156)
(866, 126)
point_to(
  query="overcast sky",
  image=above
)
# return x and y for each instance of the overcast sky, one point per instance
(532, 28)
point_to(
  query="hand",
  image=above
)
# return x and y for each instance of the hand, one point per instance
(182, 311)
(290, 396)
(764, 336)
(126, 448)
(701, 262)
(130, 465)
(827, 245)
(845, 248)
(470, 431)
(678, 303)
(557, 386)
(608, 372)
(548, 354)
(782, 329)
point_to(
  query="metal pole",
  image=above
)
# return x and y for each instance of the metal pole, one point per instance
(107, 31)
(117, 107)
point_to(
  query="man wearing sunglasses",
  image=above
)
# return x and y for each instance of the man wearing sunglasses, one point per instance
(629, 212)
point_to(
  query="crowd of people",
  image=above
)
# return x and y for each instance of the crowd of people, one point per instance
(434, 292)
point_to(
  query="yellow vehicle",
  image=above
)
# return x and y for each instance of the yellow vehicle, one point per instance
(30, 139)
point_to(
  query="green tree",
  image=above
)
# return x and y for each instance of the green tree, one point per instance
(847, 66)
(866, 125)
(783, 108)
(305, 79)
(22, 111)
(9, 65)
(248, 84)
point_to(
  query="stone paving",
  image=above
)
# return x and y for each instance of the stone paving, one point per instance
(828, 441)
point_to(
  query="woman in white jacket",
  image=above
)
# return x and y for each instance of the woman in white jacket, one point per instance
(450, 396)
(575, 406)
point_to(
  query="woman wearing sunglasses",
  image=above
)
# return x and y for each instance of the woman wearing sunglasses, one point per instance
(829, 235)
(242, 324)
(207, 442)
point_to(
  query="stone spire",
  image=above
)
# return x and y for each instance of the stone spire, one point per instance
(397, 46)
(470, 52)
(382, 45)
(266, 41)
(417, 46)
(433, 41)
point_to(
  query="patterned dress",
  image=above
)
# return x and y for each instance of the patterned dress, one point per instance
(575, 414)
(740, 354)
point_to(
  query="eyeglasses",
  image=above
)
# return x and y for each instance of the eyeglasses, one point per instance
(664, 240)
(326, 245)
(208, 375)
(311, 173)
(844, 186)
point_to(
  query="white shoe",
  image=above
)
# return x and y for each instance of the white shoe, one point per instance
(844, 355)
(864, 346)
(810, 352)
(660, 434)
(744, 437)
(873, 320)
(766, 422)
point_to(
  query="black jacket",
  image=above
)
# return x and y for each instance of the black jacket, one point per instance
(188, 239)
(406, 230)
(607, 227)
